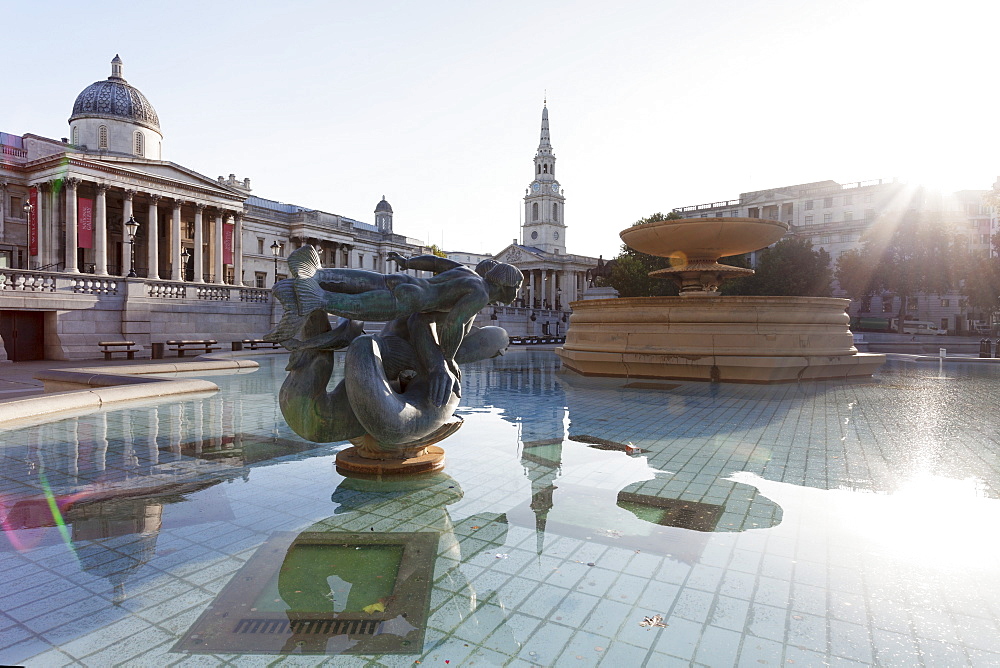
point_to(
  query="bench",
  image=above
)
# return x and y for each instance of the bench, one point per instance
(254, 344)
(109, 348)
(208, 345)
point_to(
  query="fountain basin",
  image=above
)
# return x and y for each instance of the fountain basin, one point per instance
(714, 338)
(691, 239)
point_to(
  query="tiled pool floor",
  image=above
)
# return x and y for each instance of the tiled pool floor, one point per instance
(819, 524)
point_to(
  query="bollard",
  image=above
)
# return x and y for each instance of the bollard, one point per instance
(942, 353)
(997, 348)
(982, 343)
(237, 346)
(156, 350)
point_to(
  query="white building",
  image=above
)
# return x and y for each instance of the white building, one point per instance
(553, 277)
(204, 249)
(834, 216)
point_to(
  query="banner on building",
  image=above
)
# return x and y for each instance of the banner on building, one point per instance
(227, 243)
(85, 222)
(33, 221)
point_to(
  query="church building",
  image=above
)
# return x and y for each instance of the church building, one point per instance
(553, 277)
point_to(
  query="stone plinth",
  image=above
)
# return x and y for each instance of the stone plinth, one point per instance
(714, 338)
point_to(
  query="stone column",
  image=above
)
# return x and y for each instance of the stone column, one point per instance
(531, 289)
(52, 228)
(127, 248)
(217, 248)
(153, 238)
(238, 250)
(101, 230)
(72, 239)
(229, 223)
(199, 244)
(176, 273)
(3, 207)
(39, 218)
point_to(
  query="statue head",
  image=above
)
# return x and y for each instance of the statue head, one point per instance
(504, 280)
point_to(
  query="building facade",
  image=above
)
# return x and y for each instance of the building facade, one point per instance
(204, 251)
(835, 218)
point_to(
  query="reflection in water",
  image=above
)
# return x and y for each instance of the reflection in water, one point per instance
(343, 586)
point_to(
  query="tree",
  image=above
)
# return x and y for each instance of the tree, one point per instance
(981, 283)
(790, 267)
(631, 275)
(433, 248)
(904, 255)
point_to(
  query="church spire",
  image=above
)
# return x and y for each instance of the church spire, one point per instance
(544, 144)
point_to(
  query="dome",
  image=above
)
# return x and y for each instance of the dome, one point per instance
(114, 98)
(383, 206)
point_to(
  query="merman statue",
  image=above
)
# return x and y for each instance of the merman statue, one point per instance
(402, 385)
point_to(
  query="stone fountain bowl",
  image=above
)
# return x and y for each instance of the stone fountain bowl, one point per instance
(705, 239)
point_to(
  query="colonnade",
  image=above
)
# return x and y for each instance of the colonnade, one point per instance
(206, 243)
(551, 288)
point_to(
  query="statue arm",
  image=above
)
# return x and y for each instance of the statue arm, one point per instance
(455, 324)
(431, 263)
(442, 382)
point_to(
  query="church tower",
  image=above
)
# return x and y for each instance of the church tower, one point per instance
(544, 226)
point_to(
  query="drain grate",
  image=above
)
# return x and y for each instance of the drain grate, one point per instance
(651, 386)
(324, 627)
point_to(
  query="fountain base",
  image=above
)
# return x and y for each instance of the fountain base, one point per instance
(715, 338)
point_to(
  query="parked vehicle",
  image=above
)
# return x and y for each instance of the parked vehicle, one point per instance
(919, 327)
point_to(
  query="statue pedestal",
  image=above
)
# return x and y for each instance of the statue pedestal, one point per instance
(350, 461)
(368, 457)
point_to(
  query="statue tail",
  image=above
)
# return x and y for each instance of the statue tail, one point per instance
(291, 321)
(304, 262)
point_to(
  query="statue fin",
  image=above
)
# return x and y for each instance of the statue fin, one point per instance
(304, 262)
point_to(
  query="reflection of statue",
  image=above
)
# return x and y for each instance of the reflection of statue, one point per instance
(401, 387)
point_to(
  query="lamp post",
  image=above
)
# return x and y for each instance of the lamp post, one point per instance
(275, 249)
(185, 254)
(131, 228)
(27, 220)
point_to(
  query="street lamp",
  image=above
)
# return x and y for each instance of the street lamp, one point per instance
(275, 249)
(131, 229)
(185, 254)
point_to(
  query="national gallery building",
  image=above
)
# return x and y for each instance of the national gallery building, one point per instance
(103, 239)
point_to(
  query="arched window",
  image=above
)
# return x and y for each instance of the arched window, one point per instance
(534, 211)
(76, 135)
(555, 212)
(139, 143)
(539, 169)
(102, 136)
(545, 169)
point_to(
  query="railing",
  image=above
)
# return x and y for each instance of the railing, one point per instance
(94, 286)
(713, 205)
(27, 280)
(15, 152)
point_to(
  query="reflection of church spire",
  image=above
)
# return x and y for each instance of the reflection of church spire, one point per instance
(542, 461)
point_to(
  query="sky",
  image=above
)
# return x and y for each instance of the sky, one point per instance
(437, 105)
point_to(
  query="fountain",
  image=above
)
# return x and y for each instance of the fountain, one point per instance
(702, 335)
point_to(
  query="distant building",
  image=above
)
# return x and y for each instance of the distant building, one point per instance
(204, 250)
(835, 216)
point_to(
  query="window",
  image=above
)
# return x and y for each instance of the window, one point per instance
(827, 217)
(139, 145)
(260, 279)
(281, 250)
(984, 238)
(534, 211)
(848, 215)
(825, 239)
(868, 197)
(809, 205)
(17, 207)
(869, 215)
(945, 303)
(846, 238)
(555, 211)
(944, 323)
(102, 136)
(827, 202)
(734, 213)
(76, 135)
(809, 220)
(848, 199)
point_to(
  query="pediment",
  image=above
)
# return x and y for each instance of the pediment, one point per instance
(164, 171)
(516, 254)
